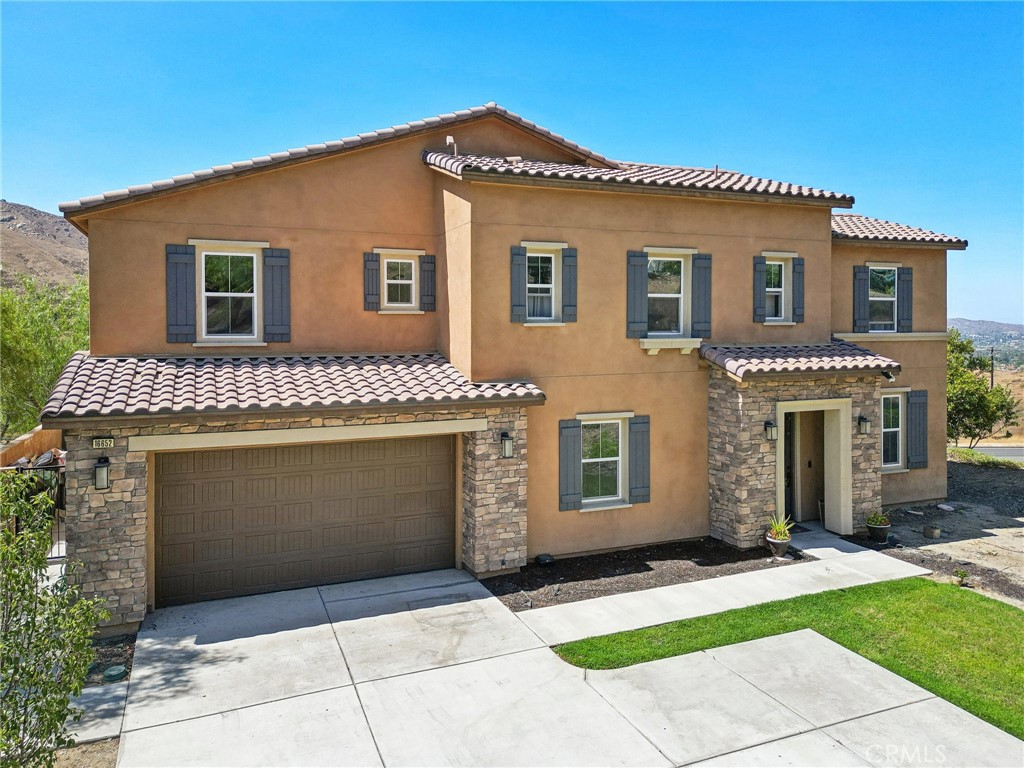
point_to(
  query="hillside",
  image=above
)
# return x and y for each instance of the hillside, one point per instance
(1007, 339)
(39, 244)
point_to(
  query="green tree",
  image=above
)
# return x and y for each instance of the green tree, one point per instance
(47, 628)
(41, 326)
(974, 412)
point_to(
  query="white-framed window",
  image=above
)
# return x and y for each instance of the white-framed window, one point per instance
(882, 298)
(892, 430)
(229, 294)
(603, 461)
(399, 283)
(668, 290)
(399, 280)
(543, 281)
(665, 295)
(775, 290)
(540, 286)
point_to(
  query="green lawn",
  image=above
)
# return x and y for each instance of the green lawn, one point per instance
(959, 645)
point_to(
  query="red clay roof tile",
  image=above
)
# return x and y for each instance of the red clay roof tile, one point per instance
(854, 226)
(135, 386)
(767, 360)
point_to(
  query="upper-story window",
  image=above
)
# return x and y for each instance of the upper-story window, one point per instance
(882, 298)
(775, 290)
(778, 288)
(665, 296)
(229, 304)
(540, 286)
(399, 283)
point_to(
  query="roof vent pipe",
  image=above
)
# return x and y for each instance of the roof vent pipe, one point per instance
(716, 170)
(450, 142)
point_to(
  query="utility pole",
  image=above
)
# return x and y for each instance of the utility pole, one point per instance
(992, 368)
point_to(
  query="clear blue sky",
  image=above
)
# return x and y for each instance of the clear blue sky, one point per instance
(916, 109)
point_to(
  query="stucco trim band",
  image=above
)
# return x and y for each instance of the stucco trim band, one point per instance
(894, 336)
(194, 441)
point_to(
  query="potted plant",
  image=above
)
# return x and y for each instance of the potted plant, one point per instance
(778, 535)
(878, 526)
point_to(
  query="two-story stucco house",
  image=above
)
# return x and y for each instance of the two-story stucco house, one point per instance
(467, 341)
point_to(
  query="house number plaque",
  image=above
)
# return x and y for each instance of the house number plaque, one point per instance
(103, 442)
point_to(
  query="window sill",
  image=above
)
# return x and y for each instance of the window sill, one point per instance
(400, 312)
(543, 324)
(229, 344)
(779, 322)
(894, 470)
(894, 336)
(606, 506)
(654, 344)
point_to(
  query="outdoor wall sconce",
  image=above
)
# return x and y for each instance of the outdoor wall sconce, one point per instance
(101, 473)
(863, 425)
(771, 430)
(506, 445)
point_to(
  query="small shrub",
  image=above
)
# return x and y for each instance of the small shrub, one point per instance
(779, 527)
(47, 628)
(961, 576)
(879, 518)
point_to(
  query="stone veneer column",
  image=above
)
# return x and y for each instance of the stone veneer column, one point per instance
(106, 530)
(742, 463)
(494, 495)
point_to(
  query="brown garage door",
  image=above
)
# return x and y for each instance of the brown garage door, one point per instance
(247, 520)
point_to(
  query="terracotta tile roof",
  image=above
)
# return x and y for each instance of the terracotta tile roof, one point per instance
(329, 147)
(854, 226)
(767, 360)
(136, 386)
(634, 174)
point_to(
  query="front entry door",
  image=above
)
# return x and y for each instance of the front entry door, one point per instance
(788, 439)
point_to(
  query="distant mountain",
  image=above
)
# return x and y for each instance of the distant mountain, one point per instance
(41, 245)
(983, 327)
(1005, 339)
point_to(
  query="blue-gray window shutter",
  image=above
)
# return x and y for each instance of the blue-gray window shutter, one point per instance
(371, 282)
(700, 299)
(861, 310)
(428, 283)
(570, 464)
(760, 286)
(569, 308)
(639, 459)
(905, 300)
(277, 301)
(181, 293)
(636, 295)
(518, 284)
(798, 289)
(917, 429)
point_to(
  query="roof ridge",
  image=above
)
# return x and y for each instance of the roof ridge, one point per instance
(328, 147)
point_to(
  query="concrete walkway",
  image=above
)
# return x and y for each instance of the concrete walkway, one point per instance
(840, 564)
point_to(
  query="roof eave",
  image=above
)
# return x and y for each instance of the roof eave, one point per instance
(246, 414)
(625, 188)
(958, 245)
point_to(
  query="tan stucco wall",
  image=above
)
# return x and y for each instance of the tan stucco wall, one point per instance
(327, 212)
(929, 265)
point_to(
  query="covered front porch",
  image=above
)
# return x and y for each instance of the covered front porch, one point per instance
(790, 429)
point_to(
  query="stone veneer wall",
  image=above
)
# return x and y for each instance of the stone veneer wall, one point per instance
(107, 531)
(742, 462)
(494, 496)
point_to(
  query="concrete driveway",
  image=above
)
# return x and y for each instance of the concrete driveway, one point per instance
(431, 669)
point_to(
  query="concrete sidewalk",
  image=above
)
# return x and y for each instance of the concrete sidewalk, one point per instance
(840, 565)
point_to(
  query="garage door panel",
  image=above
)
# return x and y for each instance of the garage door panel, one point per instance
(355, 511)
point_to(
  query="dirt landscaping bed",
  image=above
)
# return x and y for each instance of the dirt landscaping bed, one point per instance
(629, 570)
(95, 754)
(109, 652)
(983, 535)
